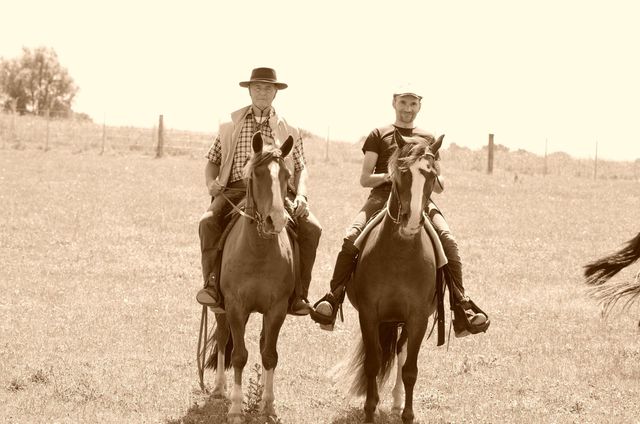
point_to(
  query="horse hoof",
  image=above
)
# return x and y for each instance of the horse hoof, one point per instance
(219, 393)
(407, 419)
(271, 419)
(237, 418)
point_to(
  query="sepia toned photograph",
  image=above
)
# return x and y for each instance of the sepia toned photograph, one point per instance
(341, 212)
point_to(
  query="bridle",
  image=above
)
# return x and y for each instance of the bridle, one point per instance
(251, 211)
(394, 190)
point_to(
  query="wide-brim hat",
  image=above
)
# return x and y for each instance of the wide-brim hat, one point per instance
(267, 75)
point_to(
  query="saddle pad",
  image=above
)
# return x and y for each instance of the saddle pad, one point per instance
(441, 258)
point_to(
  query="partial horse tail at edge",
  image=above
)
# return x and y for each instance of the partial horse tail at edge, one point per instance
(600, 271)
(352, 367)
(212, 359)
(609, 295)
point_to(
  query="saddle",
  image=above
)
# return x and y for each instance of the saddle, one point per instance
(442, 275)
(232, 218)
(441, 257)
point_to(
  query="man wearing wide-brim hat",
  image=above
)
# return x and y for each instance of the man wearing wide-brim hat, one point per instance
(226, 160)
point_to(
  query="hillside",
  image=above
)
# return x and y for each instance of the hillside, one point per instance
(29, 132)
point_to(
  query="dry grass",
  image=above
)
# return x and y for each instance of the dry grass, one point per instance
(100, 265)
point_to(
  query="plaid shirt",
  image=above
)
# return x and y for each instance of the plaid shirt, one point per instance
(244, 151)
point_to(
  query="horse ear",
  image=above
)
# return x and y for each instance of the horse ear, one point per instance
(398, 138)
(436, 146)
(256, 142)
(286, 146)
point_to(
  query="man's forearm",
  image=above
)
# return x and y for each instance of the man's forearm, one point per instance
(300, 180)
(211, 172)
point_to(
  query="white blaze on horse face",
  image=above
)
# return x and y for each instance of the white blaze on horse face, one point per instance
(418, 181)
(277, 213)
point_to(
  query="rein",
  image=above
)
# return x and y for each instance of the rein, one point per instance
(253, 214)
(257, 218)
(394, 191)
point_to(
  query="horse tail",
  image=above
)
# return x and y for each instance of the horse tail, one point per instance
(212, 359)
(600, 271)
(609, 295)
(352, 367)
(388, 332)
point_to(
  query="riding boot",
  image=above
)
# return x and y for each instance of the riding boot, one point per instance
(325, 310)
(468, 317)
(210, 294)
(298, 304)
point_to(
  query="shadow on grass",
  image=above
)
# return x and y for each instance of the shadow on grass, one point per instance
(355, 415)
(212, 410)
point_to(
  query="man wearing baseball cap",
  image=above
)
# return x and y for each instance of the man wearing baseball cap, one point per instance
(378, 148)
(226, 159)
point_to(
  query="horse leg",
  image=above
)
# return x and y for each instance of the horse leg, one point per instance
(372, 360)
(398, 389)
(410, 369)
(239, 355)
(271, 324)
(222, 337)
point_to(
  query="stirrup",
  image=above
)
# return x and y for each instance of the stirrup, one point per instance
(325, 320)
(461, 321)
(300, 312)
(206, 298)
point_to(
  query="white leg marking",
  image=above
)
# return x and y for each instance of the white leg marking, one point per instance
(236, 399)
(220, 388)
(398, 389)
(267, 394)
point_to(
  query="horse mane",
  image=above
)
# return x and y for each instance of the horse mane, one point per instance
(260, 158)
(415, 148)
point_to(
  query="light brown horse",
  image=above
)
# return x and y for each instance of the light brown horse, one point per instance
(395, 280)
(257, 275)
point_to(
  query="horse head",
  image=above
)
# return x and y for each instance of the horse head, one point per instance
(267, 182)
(414, 174)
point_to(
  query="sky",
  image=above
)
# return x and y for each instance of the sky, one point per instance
(565, 74)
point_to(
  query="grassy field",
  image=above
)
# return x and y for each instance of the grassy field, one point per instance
(100, 264)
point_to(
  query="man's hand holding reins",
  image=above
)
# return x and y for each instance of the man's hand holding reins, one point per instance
(214, 188)
(300, 207)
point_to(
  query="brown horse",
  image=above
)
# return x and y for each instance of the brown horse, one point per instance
(599, 272)
(257, 275)
(394, 285)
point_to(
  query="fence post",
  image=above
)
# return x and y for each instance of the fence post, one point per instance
(326, 154)
(160, 147)
(104, 132)
(14, 106)
(546, 141)
(490, 149)
(47, 115)
(595, 164)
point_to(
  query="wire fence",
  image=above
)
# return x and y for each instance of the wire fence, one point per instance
(82, 135)
(79, 135)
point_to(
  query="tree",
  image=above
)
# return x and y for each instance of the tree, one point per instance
(37, 82)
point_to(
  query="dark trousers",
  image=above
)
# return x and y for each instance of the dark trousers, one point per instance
(212, 225)
(215, 219)
(374, 203)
